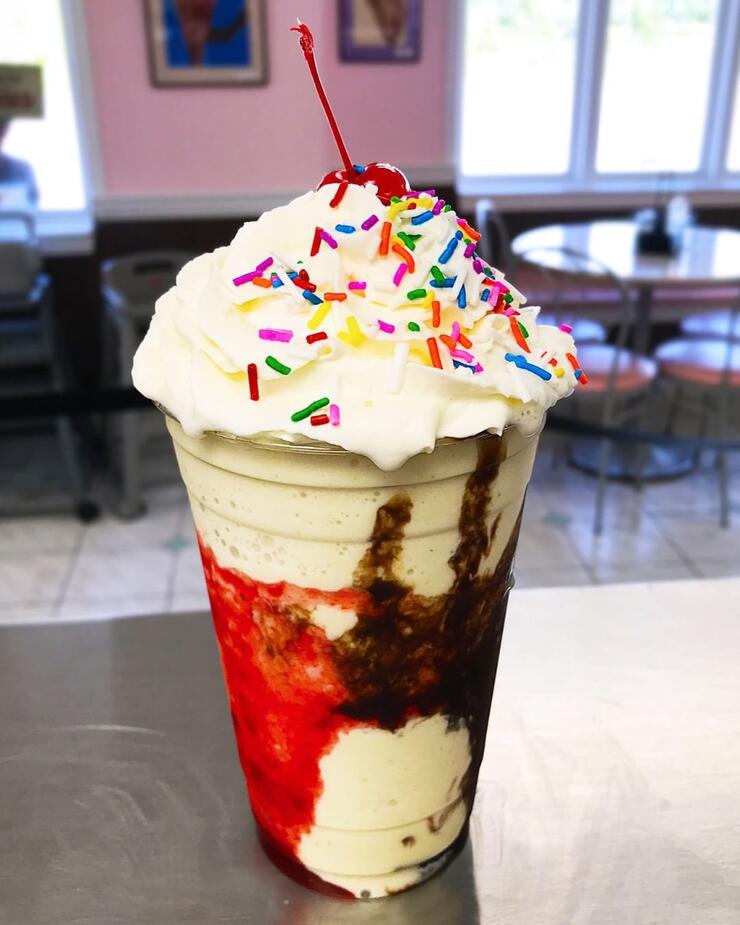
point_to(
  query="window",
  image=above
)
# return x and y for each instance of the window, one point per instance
(33, 33)
(599, 94)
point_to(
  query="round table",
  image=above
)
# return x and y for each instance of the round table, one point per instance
(708, 257)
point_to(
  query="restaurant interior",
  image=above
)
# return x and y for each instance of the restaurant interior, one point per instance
(595, 147)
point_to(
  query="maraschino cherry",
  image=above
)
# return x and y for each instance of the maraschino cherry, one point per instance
(388, 180)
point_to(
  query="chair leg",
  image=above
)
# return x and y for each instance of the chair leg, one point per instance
(724, 489)
(70, 457)
(603, 465)
(130, 505)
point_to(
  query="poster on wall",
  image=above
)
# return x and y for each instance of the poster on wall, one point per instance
(21, 91)
(379, 30)
(206, 42)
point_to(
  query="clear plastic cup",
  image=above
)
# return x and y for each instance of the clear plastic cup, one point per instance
(359, 616)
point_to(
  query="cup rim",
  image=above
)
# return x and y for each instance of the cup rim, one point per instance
(271, 442)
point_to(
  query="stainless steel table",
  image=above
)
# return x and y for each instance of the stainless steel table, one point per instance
(610, 793)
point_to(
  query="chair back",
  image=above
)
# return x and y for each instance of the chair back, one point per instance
(133, 283)
(564, 271)
(20, 257)
(495, 242)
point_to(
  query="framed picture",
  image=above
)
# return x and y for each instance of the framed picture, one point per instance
(379, 30)
(206, 42)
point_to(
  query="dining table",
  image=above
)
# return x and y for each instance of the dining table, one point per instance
(608, 794)
(707, 260)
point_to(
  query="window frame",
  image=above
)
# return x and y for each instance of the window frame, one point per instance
(581, 176)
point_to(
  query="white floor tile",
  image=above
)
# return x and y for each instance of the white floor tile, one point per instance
(633, 541)
(717, 568)
(99, 576)
(542, 545)
(606, 573)
(26, 613)
(110, 534)
(32, 579)
(700, 536)
(39, 534)
(188, 572)
(551, 578)
(187, 601)
(127, 605)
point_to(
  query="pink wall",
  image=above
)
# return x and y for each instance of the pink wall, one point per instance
(270, 138)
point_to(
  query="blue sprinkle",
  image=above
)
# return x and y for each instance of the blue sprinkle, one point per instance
(462, 299)
(312, 297)
(345, 229)
(292, 274)
(458, 363)
(359, 168)
(424, 217)
(277, 283)
(446, 283)
(579, 373)
(518, 360)
(450, 249)
(486, 295)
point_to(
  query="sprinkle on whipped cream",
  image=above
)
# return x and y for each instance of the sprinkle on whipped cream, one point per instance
(386, 316)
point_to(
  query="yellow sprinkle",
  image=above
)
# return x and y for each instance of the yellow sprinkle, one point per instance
(321, 312)
(559, 372)
(355, 336)
(427, 303)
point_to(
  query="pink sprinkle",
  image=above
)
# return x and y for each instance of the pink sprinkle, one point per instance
(510, 312)
(477, 263)
(384, 326)
(245, 278)
(261, 267)
(565, 327)
(478, 368)
(429, 192)
(369, 222)
(469, 250)
(325, 236)
(463, 355)
(455, 330)
(334, 415)
(356, 284)
(438, 206)
(399, 274)
(276, 334)
(412, 194)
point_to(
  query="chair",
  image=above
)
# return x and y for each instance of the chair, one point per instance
(30, 345)
(619, 378)
(131, 286)
(718, 323)
(495, 247)
(704, 372)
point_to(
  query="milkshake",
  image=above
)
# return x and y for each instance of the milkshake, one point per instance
(355, 396)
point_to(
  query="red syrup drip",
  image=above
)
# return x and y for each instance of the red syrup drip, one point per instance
(388, 180)
(283, 690)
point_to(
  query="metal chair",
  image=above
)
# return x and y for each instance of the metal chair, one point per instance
(131, 286)
(30, 346)
(705, 375)
(619, 378)
(495, 247)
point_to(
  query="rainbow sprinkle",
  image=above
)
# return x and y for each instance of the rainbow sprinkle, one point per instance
(315, 320)
(319, 335)
(399, 274)
(334, 415)
(318, 419)
(325, 236)
(279, 367)
(345, 229)
(254, 389)
(386, 327)
(276, 334)
(451, 247)
(356, 284)
(413, 326)
(309, 410)
(416, 294)
(369, 222)
(312, 297)
(519, 361)
(422, 218)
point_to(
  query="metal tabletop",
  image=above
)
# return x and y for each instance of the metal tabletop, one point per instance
(609, 795)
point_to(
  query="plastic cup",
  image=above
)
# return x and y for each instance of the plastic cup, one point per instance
(359, 616)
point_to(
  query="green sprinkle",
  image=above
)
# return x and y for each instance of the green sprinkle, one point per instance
(413, 326)
(309, 410)
(438, 275)
(395, 198)
(409, 239)
(488, 271)
(416, 294)
(508, 297)
(524, 331)
(447, 208)
(279, 367)
(467, 240)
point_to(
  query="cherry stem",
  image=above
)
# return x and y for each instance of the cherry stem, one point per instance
(307, 45)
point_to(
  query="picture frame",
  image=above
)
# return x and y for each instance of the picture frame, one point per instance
(206, 43)
(382, 31)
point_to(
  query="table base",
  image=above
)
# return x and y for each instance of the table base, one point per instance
(660, 462)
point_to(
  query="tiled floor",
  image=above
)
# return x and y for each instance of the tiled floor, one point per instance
(52, 567)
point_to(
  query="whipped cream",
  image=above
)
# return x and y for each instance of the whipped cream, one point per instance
(339, 319)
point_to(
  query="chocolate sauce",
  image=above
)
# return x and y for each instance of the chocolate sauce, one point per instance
(414, 655)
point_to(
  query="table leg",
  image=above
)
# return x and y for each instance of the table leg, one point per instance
(643, 307)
